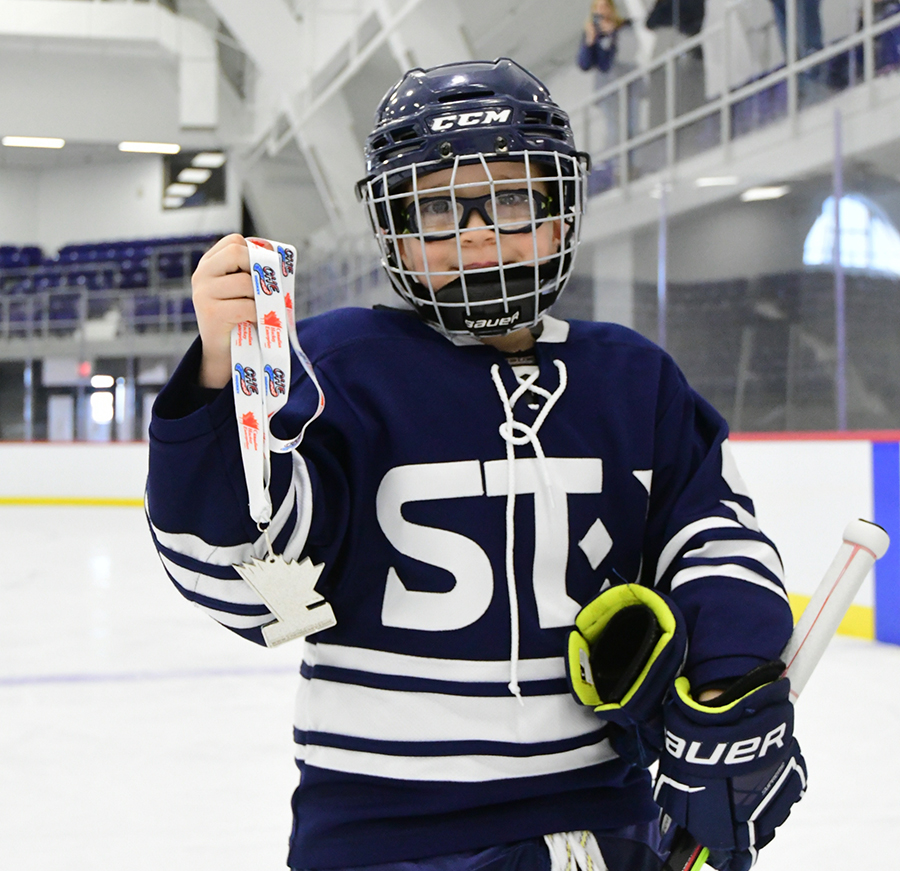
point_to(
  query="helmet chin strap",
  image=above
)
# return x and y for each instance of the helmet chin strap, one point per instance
(487, 314)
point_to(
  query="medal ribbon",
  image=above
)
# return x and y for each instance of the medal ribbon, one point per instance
(261, 369)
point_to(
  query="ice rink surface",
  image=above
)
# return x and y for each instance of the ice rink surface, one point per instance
(138, 735)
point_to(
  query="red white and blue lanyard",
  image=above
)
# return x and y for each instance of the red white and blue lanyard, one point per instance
(261, 369)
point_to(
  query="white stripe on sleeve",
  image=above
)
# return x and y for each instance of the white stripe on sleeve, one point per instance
(299, 493)
(683, 536)
(743, 515)
(302, 487)
(236, 621)
(759, 551)
(740, 573)
(235, 591)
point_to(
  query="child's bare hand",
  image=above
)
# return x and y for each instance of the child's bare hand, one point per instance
(223, 297)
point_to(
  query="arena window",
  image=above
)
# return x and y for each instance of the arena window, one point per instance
(869, 241)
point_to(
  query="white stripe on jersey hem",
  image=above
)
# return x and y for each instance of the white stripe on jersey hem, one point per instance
(683, 536)
(454, 769)
(405, 665)
(231, 592)
(403, 715)
(759, 551)
(737, 572)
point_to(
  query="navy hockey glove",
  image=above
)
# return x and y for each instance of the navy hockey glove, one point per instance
(731, 768)
(626, 649)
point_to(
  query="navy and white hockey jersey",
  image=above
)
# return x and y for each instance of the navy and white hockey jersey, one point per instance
(456, 573)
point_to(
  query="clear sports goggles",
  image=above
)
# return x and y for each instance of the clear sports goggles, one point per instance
(509, 211)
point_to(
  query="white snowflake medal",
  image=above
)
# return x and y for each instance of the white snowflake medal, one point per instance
(261, 377)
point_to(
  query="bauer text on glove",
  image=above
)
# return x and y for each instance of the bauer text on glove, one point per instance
(731, 768)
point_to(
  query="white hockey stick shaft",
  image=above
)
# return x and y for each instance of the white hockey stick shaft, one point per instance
(863, 543)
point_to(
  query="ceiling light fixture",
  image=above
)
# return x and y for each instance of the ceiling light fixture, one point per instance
(772, 192)
(178, 189)
(209, 159)
(150, 147)
(32, 142)
(194, 175)
(716, 181)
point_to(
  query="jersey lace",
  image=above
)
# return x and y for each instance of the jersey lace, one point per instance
(514, 432)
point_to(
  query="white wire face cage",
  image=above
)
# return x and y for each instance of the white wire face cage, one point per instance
(515, 279)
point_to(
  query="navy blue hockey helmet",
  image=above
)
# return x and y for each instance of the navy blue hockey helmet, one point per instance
(455, 115)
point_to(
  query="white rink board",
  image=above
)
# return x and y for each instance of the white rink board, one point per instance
(805, 493)
(77, 470)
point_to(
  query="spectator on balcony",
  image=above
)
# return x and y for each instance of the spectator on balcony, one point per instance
(728, 57)
(599, 44)
(609, 47)
(686, 16)
(809, 26)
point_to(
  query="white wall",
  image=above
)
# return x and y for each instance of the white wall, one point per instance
(119, 199)
(731, 240)
(613, 273)
(18, 207)
(55, 89)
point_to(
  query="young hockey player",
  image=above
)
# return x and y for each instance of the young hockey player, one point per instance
(516, 519)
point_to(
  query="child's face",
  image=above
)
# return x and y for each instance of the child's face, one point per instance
(478, 248)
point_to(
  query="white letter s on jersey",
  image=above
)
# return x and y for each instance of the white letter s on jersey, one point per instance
(462, 557)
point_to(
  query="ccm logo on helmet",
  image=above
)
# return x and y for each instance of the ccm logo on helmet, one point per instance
(735, 753)
(470, 119)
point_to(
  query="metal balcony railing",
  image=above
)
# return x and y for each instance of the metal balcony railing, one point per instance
(702, 94)
(99, 315)
(98, 292)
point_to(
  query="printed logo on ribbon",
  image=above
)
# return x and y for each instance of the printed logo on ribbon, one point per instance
(275, 381)
(244, 334)
(250, 428)
(265, 279)
(261, 352)
(273, 327)
(286, 256)
(288, 588)
(245, 381)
